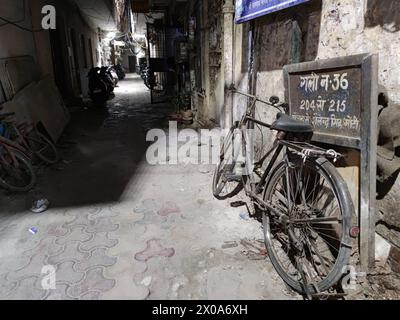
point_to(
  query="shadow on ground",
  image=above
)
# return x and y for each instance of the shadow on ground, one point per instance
(102, 148)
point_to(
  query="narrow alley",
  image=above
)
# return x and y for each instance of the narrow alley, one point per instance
(199, 150)
(119, 228)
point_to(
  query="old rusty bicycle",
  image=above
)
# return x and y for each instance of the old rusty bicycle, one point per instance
(305, 204)
(20, 146)
(16, 171)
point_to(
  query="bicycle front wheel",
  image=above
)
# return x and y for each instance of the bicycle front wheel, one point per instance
(43, 148)
(225, 184)
(311, 245)
(16, 172)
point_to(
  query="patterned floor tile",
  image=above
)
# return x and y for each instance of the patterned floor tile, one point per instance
(77, 234)
(94, 281)
(101, 225)
(99, 239)
(70, 253)
(98, 257)
(28, 289)
(153, 249)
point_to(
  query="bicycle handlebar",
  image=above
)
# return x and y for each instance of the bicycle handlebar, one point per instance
(277, 106)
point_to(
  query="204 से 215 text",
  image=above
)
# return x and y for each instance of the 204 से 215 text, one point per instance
(201, 309)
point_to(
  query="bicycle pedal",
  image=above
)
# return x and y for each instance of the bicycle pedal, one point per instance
(237, 204)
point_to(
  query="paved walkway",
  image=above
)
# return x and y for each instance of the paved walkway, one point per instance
(119, 228)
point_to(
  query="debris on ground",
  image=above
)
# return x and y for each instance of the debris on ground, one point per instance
(169, 208)
(154, 248)
(33, 230)
(40, 206)
(204, 169)
(229, 244)
(147, 281)
(244, 216)
(255, 250)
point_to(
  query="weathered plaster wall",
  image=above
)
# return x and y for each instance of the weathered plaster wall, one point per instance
(358, 26)
(216, 75)
(330, 29)
(275, 45)
(15, 42)
(72, 19)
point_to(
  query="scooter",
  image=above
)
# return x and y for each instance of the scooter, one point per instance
(120, 71)
(107, 78)
(98, 88)
(149, 78)
(114, 75)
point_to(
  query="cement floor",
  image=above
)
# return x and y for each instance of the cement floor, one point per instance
(119, 228)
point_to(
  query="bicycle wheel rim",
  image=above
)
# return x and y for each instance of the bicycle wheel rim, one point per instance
(232, 187)
(22, 166)
(43, 148)
(330, 277)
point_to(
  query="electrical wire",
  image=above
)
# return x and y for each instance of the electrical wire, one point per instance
(20, 27)
(21, 20)
(15, 23)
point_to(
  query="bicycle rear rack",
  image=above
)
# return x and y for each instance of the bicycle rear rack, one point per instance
(305, 150)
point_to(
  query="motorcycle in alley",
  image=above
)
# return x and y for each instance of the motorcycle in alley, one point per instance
(108, 79)
(120, 71)
(99, 90)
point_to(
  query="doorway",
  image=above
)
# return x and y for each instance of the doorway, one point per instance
(57, 38)
(75, 64)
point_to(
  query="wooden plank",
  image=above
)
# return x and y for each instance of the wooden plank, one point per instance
(369, 131)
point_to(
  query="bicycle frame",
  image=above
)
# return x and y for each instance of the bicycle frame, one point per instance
(302, 149)
(9, 144)
(19, 144)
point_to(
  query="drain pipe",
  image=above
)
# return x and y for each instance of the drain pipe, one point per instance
(228, 11)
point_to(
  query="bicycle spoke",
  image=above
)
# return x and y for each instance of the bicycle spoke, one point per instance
(318, 254)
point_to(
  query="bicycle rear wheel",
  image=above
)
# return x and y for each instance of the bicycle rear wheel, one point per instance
(16, 171)
(310, 247)
(42, 147)
(223, 186)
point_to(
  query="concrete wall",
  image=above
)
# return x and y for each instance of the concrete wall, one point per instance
(216, 67)
(70, 18)
(210, 27)
(357, 26)
(329, 28)
(15, 42)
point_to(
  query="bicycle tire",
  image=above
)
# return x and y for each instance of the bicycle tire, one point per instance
(25, 162)
(347, 210)
(219, 171)
(41, 138)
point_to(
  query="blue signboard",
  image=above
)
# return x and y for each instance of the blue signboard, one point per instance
(250, 9)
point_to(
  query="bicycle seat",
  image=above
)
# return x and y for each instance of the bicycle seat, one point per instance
(286, 123)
